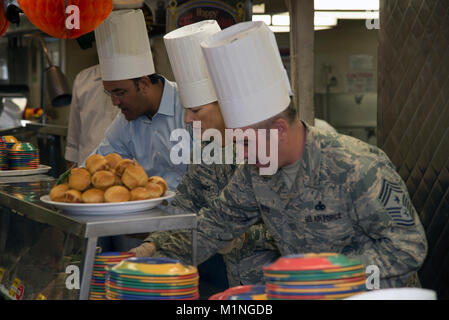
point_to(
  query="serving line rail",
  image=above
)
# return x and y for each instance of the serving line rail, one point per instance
(21, 195)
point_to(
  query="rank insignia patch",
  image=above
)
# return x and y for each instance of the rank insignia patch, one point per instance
(396, 203)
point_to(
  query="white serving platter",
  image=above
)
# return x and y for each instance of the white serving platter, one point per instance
(115, 208)
(15, 173)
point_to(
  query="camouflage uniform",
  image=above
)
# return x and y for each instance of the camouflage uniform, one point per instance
(198, 187)
(347, 198)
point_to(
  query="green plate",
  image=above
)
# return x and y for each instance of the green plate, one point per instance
(312, 261)
(153, 294)
(358, 268)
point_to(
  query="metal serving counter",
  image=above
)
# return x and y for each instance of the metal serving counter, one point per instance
(19, 201)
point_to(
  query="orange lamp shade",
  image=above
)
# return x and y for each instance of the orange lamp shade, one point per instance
(4, 23)
(50, 15)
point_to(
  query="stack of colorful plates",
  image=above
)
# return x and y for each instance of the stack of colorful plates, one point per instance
(10, 141)
(241, 293)
(102, 262)
(3, 155)
(23, 156)
(152, 279)
(314, 276)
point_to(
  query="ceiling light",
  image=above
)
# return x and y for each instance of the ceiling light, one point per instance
(262, 17)
(346, 5)
(259, 8)
(318, 28)
(282, 19)
(351, 15)
(325, 20)
(278, 29)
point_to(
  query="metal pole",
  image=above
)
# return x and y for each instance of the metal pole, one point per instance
(43, 84)
(88, 266)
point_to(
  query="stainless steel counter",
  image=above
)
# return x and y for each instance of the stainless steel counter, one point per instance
(21, 195)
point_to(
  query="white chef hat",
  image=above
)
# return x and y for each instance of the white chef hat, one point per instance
(187, 62)
(247, 72)
(123, 46)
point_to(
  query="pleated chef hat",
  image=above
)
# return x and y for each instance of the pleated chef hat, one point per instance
(247, 72)
(187, 62)
(123, 46)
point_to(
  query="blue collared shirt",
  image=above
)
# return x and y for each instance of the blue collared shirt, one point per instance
(148, 141)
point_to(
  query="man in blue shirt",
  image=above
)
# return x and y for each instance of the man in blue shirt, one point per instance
(144, 134)
(149, 104)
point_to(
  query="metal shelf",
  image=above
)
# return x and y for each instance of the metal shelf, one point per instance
(21, 195)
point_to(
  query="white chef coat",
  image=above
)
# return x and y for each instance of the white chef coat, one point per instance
(91, 113)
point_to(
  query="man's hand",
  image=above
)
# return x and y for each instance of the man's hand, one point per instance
(146, 249)
(237, 243)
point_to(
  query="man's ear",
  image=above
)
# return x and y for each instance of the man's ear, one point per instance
(145, 83)
(281, 125)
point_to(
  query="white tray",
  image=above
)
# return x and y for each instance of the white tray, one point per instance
(13, 173)
(90, 209)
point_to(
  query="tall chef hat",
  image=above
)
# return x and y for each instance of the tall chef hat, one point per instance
(123, 46)
(247, 72)
(187, 61)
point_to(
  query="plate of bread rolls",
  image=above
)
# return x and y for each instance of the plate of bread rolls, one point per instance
(108, 185)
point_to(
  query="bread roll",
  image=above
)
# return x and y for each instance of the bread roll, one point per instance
(113, 159)
(134, 176)
(97, 164)
(155, 189)
(117, 194)
(140, 193)
(79, 179)
(103, 179)
(72, 196)
(91, 158)
(159, 180)
(57, 193)
(122, 165)
(93, 196)
(117, 181)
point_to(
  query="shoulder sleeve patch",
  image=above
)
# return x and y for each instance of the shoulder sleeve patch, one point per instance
(396, 202)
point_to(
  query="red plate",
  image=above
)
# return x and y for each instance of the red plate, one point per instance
(311, 261)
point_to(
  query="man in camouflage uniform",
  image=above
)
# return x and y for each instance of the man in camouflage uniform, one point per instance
(245, 255)
(332, 193)
(201, 182)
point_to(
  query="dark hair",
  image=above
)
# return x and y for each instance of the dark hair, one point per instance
(154, 78)
(290, 114)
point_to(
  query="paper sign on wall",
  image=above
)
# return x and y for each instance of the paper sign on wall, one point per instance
(360, 77)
